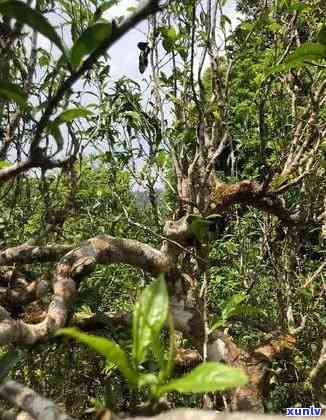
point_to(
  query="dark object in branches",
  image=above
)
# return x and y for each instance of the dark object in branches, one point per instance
(143, 55)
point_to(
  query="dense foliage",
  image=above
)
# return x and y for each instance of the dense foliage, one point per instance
(215, 156)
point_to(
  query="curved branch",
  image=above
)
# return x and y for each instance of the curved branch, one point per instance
(27, 254)
(224, 195)
(318, 376)
(77, 263)
(22, 292)
(28, 400)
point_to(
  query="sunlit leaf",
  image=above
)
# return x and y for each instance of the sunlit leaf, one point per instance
(298, 7)
(135, 116)
(275, 26)
(4, 164)
(31, 17)
(170, 36)
(213, 216)
(230, 308)
(218, 324)
(308, 51)
(147, 379)
(232, 304)
(247, 311)
(279, 181)
(89, 41)
(284, 67)
(112, 352)
(208, 377)
(71, 114)
(247, 26)
(149, 317)
(160, 158)
(199, 226)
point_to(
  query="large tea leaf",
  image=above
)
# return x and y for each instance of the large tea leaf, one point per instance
(89, 41)
(112, 352)
(148, 319)
(71, 114)
(207, 377)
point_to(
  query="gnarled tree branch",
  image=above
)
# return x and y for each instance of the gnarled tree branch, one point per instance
(73, 266)
(40, 408)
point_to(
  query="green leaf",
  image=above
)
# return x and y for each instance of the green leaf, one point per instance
(322, 35)
(207, 377)
(71, 114)
(247, 26)
(147, 379)
(230, 308)
(219, 323)
(112, 352)
(65, 117)
(248, 311)
(4, 164)
(279, 181)
(170, 36)
(150, 313)
(89, 41)
(308, 51)
(232, 304)
(8, 362)
(213, 216)
(298, 7)
(135, 116)
(31, 17)
(161, 158)
(13, 92)
(199, 226)
(284, 67)
(275, 26)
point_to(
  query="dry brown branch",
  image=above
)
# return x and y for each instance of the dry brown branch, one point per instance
(74, 265)
(224, 195)
(27, 254)
(315, 274)
(318, 376)
(26, 399)
(18, 288)
(221, 348)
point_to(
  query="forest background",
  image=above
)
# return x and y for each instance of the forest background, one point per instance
(183, 169)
